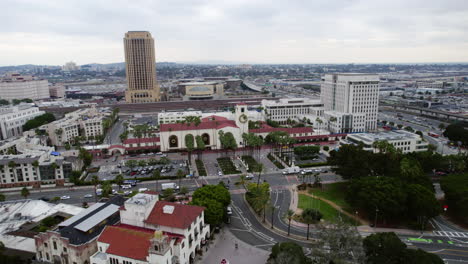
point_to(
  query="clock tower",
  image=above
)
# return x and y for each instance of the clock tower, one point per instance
(242, 120)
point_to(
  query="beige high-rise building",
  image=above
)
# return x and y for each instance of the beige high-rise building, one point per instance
(140, 68)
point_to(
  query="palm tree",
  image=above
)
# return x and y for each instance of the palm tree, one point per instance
(310, 216)
(180, 174)
(119, 179)
(242, 180)
(320, 122)
(95, 182)
(289, 216)
(332, 120)
(156, 176)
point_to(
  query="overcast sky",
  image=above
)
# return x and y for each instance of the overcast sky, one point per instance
(291, 31)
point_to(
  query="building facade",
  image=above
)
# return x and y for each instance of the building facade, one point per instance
(351, 101)
(403, 141)
(26, 162)
(140, 68)
(13, 118)
(16, 86)
(86, 122)
(75, 239)
(291, 108)
(202, 90)
(174, 117)
(153, 231)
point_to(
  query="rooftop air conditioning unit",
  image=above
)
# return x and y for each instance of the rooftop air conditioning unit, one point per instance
(168, 209)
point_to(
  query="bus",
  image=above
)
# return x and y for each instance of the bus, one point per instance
(434, 135)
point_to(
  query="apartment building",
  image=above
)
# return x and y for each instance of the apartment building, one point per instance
(351, 101)
(86, 122)
(153, 231)
(75, 240)
(12, 119)
(291, 108)
(16, 86)
(26, 162)
(402, 140)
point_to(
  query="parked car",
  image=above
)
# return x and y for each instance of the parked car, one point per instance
(142, 189)
(126, 186)
(88, 196)
(65, 197)
(229, 210)
(249, 176)
(127, 192)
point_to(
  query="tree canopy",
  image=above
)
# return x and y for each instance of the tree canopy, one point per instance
(215, 198)
(38, 121)
(287, 253)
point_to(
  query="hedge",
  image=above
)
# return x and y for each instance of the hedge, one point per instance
(307, 165)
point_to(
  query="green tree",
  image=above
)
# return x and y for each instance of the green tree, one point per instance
(25, 192)
(215, 198)
(455, 187)
(180, 174)
(441, 126)
(2, 197)
(184, 190)
(156, 177)
(190, 146)
(289, 215)
(38, 121)
(287, 253)
(106, 189)
(258, 196)
(119, 179)
(310, 216)
(131, 163)
(200, 145)
(168, 194)
(387, 248)
(85, 156)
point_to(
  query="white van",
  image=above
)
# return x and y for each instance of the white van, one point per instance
(142, 189)
(169, 185)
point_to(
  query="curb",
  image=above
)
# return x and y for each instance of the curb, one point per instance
(277, 231)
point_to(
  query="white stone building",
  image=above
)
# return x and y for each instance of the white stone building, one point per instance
(174, 117)
(402, 140)
(172, 136)
(13, 118)
(26, 162)
(16, 86)
(291, 108)
(153, 231)
(85, 122)
(351, 101)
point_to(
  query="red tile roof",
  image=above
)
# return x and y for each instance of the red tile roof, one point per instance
(289, 130)
(127, 241)
(141, 140)
(203, 125)
(182, 216)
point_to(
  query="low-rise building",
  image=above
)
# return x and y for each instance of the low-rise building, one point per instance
(174, 117)
(16, 86)
(13, 118)
(402, 140)
(291, 108)
(26, 162)
(153, 231)
(202, 90)
(75, 240)
(85, 122)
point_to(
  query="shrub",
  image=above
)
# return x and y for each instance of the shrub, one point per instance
(200, 167)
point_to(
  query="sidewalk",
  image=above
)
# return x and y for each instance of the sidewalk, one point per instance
(224, 248)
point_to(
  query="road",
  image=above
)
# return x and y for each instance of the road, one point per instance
(449, 242)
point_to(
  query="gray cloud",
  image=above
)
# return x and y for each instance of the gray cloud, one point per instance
(257, 31)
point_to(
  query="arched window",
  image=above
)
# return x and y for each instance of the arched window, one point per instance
(206, 139)
(173, 141)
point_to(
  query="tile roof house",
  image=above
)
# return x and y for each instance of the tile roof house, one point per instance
(153, 231)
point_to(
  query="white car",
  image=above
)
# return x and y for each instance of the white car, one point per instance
(229, 210)
(220, 173)
(249, 177)
(142, 189)
(65, 197)
(88, 196)
(127, 192)
(126, 186)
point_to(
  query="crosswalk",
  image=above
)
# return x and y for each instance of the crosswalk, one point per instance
(451, 234)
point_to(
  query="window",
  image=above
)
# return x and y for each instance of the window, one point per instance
(64, 249)
(45, 245)
(55, 245)
(47, 256)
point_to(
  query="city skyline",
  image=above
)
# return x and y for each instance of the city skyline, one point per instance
(52, 32)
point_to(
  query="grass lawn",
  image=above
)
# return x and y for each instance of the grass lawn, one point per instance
(329, 213)
(200, 167)
(253, 165)
(227, 166)
(334, 192)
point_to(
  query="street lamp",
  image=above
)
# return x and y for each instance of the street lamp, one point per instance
(375, 220)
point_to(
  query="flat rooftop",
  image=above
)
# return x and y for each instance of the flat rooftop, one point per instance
(385, 135)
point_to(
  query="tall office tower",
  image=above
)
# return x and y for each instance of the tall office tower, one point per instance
(351, 101)
(140, 68)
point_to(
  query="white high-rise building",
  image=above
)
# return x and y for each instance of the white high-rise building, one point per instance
(351, 101)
